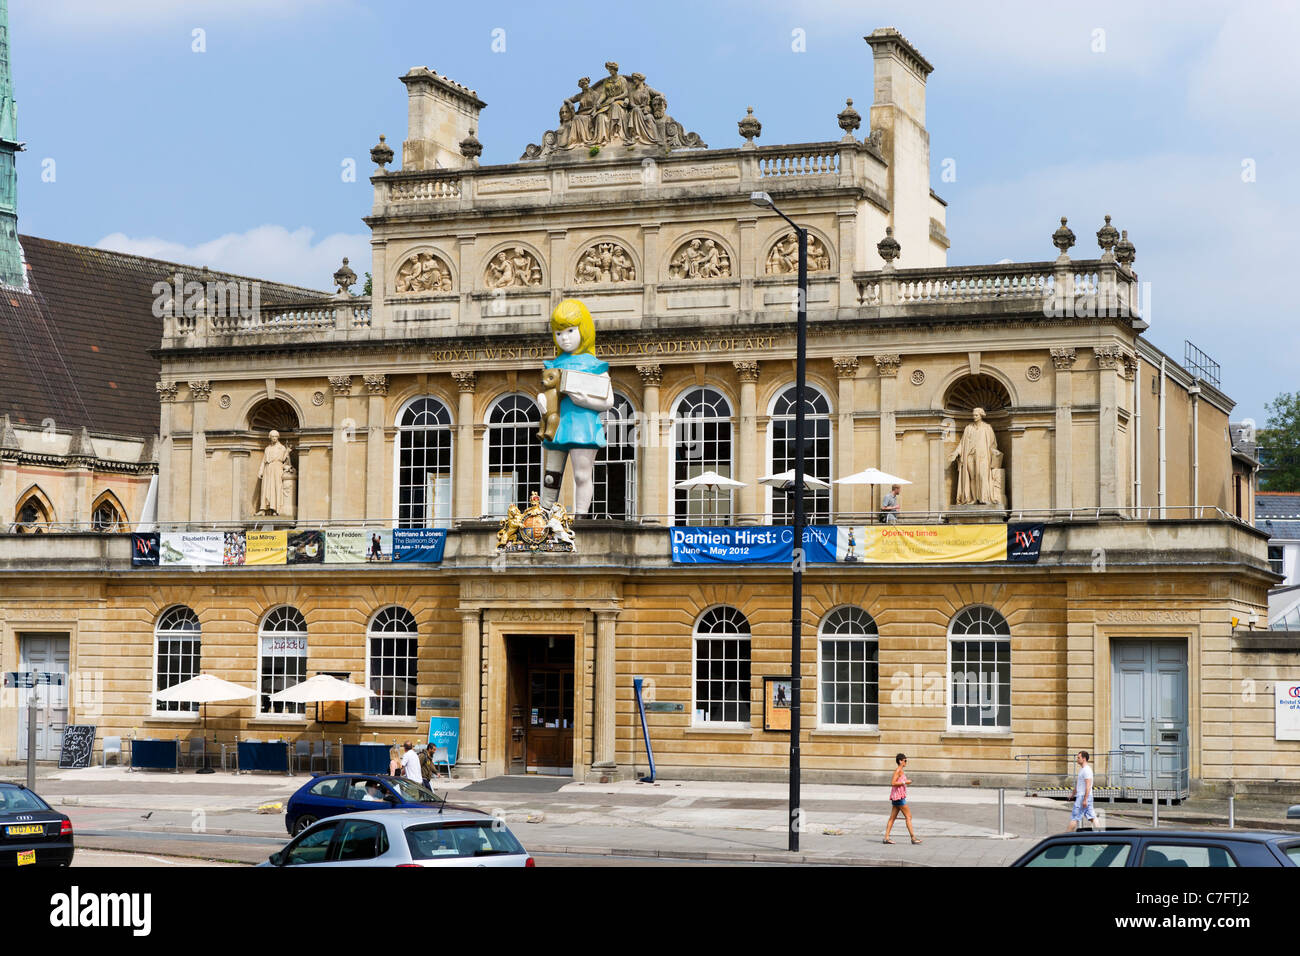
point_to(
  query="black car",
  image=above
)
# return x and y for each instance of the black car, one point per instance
(31, 833)
(1166, 848)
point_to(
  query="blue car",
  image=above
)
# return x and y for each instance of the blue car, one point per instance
(332, 794)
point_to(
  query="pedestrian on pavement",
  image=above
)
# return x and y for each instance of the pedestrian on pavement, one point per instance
(1082, 793)
(411, 763)
(898, 799)
(394, 762)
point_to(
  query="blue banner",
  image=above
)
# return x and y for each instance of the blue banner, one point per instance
(419, 544)
(445, 732)
(759, 544)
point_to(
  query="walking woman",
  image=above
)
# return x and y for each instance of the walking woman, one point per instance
(898, 799)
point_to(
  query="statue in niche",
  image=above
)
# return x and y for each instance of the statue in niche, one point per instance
(784, 257)
(979, 464)
(605, 262)
(422, 272)
(271, 475)
(512, 270)
(700, 259)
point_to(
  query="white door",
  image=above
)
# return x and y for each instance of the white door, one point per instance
(45, 657)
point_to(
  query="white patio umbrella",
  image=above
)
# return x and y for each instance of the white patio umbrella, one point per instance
(205, 689)
(787, 477)
(872, 476)
(710, 480)
(322, 689)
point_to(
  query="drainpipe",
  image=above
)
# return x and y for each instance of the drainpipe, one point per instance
(1137, 439)
(1195, 392)
(1160, 493)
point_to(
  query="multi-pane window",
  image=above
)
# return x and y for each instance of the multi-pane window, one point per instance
(514, 466)
(615, 475)
(391, 662)
(424, 465)
(817, 453)
(282, 658)
(979, 685)
(701, 442)
(178, 641)
(1276, 561)
(849, 685)
(722, 667)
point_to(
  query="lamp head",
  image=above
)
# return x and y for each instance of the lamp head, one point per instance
(762, 200)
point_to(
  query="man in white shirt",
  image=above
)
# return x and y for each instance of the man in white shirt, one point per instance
(1082, 794)
(411, 763)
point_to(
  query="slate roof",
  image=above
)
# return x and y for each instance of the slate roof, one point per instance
(1278, 513)
(75, 348)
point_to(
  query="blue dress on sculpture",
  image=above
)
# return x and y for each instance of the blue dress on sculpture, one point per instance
(579, 427)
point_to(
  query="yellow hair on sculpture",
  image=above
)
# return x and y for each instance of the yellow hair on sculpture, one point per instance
(568, 314)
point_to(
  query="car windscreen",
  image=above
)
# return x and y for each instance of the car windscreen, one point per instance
(431, 841)
(412, 791)
(13, 800)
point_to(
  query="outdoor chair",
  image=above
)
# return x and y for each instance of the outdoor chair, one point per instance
(197, 747)
(301, 749)
(441, 758)
(112, 745)
(321, 750)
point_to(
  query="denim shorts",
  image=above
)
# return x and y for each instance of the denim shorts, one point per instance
(1081, 812)
(899, 803)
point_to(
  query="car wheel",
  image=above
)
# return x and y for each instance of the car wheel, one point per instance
(302, 823)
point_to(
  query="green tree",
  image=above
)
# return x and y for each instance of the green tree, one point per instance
(1279, 445)
(366, 290)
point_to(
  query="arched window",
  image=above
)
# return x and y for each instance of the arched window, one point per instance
(282, 658)
(979, 655)
(514, 454)
(701, 442)
(424, 446)
(177, 643)
(615, 476)
(817, 453)
(722, 667)
(391, 663)
(849, 684)
(105, 516)
(33, 515)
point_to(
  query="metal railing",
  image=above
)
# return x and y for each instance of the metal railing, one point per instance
(1117, 775)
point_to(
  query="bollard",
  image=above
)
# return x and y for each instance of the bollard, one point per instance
(1155, 810)
(1002, 811)
(1232, 811)
(31, 742)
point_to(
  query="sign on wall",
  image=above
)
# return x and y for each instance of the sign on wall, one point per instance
(1286, 710)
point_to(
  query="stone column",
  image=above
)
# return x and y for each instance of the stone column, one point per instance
(650, 268)
(745, 446)
(557, 257)
(166, 398)
(343, 436)
(199, 392)
(468, 278)
(1016, 479)
(377, 387)
(463, 494)
(470, 682)
(887, 364)
(846, 370)
(238, 467)
(846, 255)
(1063, 490)
(1108, 364)
(606, 710)
(938, 462)
(650, 465)
(750, 264)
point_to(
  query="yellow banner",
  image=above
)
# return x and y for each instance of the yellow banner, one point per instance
(266, 547)
(922, 544)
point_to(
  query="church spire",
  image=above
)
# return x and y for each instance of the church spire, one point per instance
(11, 255)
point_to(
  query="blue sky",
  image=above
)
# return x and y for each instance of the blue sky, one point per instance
(233, 156)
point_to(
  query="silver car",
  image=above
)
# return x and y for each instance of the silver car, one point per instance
(405, 837)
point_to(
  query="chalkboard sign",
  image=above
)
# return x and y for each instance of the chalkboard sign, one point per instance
(78, 745)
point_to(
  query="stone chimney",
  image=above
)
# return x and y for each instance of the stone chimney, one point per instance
(898, 112)
(440, 114)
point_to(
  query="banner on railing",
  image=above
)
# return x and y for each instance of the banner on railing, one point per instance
(279, 548)
(859, 544)
(761, 544)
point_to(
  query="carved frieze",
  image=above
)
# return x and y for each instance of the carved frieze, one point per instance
(783, 257)
(512, 269)
(700, 258)
(423, 272)
(605, 262)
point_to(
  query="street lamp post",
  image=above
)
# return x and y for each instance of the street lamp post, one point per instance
(762, 199)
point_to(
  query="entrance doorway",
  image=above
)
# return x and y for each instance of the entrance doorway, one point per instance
(540, 704)
(45, 658)
(1149, 715)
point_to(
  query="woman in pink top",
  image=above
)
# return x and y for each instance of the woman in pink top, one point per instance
(898, 798)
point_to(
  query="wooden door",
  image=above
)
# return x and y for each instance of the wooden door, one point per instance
(550, 720)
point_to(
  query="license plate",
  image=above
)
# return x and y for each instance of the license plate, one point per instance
(26, 857)
(34, 829)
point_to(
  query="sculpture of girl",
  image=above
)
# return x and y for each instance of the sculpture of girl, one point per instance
(585, 391)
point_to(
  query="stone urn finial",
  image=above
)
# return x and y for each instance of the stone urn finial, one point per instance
(1125, 252)
(471, 148)
(889, 248)
(1063, 239)
(381, 154)
(850, 119)
(750, 127)
(1107, 236)
(344, 279)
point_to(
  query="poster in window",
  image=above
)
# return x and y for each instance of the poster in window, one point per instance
(776, 703)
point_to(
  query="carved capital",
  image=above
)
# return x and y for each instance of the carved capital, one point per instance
(652, 375)
(166, 391)
(199, 391)
(377, 384)
(1130, 366)
(466, 380)
(341, 384)
(887, 363)
(746, 371)
(1108, 356)
(1063, 359)
(846, 366)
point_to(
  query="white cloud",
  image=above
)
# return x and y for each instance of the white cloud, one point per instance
(265, 252)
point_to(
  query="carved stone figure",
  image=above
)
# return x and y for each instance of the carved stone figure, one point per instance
(271, 475)
(512, 269)
(422, 272)
(783, 258)
(700, 259)
(605, 262)
(978, 464)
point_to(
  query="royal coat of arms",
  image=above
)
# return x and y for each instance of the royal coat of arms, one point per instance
(536, 528)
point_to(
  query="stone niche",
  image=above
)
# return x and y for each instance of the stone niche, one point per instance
(959, 403)
(274, 414)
